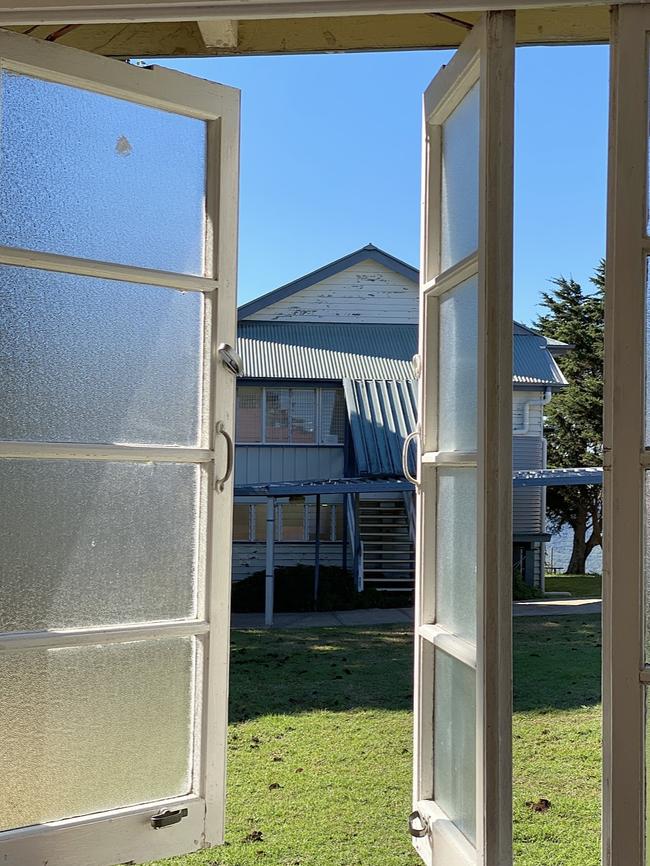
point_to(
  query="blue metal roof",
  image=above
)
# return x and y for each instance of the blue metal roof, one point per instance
(322, 350)
(533, 363)
(334, 485)
(336, 351)
(381, 414)
(558, 477)
(522, 478)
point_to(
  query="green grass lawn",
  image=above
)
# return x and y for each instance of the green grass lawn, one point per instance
(320, 747)
(579, 585)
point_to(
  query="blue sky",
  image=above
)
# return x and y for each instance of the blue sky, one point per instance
(331, 161)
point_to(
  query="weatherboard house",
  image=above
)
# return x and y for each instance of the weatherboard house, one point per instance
(327, 396)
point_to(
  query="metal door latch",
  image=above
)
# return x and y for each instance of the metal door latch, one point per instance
(167, 818)
(417, 825)
(231, 359)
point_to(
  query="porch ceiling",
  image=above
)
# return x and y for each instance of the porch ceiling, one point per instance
(557, 25)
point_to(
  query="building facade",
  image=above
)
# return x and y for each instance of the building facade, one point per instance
(328, 393)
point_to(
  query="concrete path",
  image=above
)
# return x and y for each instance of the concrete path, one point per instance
(404, 615)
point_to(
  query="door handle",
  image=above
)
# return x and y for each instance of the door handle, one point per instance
(405, 457)
(167, 818)
(220, 429)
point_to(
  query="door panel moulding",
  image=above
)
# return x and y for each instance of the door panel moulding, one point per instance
(557, 25)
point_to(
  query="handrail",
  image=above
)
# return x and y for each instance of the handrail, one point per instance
(355, 542)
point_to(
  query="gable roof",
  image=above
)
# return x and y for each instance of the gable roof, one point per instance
(370, 251)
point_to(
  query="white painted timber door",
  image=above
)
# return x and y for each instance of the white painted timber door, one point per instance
(118, 214)
(463, 705)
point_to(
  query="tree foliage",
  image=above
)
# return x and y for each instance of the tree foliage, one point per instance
(574, 417)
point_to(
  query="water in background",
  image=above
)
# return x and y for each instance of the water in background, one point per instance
(560, 547)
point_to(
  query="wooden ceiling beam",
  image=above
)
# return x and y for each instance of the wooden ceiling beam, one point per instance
(550, 26)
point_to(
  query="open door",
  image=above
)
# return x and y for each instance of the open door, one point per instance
(463, 704)
(118, 214)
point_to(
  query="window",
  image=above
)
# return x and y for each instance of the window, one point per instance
(249, 414)
(241, 516)
(291, 523)
(332, 417)
(294, 522)
(277, 415)
(249, 521)
(290, 416)
(303, 416)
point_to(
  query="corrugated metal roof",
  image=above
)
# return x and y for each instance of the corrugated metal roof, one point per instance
(302, 350)
(323, 350)
(533, 364)
(381, 414)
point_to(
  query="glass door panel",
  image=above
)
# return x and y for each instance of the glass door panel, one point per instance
(114, 524)
(463, 587)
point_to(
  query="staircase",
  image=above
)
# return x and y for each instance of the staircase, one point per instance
(388, 554)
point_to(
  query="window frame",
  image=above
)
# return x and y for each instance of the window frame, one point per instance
(126, 834)
(318, 416)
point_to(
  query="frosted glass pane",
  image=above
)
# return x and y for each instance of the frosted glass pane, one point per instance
(459, 189)
(454, 732)
(457, 368)
(96, 543)
(456, 552)
(89, 360)
(83, 174)
(647, 355)
(86, 729)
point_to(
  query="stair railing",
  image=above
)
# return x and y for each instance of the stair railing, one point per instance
(355, 541)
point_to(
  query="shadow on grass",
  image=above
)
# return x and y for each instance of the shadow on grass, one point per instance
(557, 662)
(336, 669)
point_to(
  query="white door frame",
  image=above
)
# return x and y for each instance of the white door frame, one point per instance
(626, 459)
(126, 834)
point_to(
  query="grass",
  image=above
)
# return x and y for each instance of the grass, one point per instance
(579, 585)
(320, 747)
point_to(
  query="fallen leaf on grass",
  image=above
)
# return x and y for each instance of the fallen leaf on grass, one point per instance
(254, 836)
(541, 805)
(274, 786)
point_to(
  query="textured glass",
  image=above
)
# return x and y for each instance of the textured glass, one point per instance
(457, 368)
(85, 729)
(454, 734)
(90, 360)
(92, 176)
(456, 552)
(459, 187)
(647, 355)
(96, 543)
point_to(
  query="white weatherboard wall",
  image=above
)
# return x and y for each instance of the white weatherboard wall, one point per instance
(535, 414)
(249, 557)
(366, 292)
(527, 502)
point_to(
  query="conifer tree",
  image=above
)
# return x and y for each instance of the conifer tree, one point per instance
(574, 417)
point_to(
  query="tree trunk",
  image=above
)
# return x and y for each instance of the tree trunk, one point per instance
(578, 561)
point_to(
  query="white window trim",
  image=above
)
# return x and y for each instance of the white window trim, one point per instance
(125, 834)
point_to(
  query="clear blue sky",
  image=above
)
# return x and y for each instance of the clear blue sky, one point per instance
(331, 161)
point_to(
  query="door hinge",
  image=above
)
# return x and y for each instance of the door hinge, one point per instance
(167, 818)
